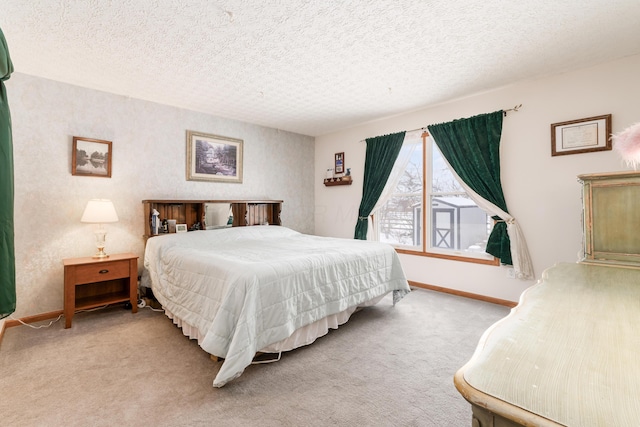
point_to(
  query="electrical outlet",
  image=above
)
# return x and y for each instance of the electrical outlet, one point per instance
(511, 273)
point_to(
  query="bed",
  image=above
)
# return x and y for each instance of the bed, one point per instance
(240, 291)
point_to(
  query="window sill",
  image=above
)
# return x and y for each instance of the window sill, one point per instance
(494, 261)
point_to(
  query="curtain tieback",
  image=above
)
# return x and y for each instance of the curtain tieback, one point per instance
(510, 222)
(363, 218)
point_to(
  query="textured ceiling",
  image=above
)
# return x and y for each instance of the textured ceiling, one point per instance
(311, 67)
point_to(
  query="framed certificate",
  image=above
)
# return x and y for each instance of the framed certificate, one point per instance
(581, 136)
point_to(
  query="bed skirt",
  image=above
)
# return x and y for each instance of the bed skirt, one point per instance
(300, 337)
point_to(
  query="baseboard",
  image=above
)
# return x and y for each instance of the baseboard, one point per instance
(485, 298)
(32, 319)
(8, 323)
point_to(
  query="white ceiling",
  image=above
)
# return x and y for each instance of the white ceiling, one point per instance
(311, 67)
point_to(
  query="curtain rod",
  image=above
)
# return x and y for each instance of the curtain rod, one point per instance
(516, 108)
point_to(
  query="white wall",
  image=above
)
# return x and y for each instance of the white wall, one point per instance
(149, 151)
(542, 191)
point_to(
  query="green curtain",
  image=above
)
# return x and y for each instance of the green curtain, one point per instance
(382, 152)
(7, 250)
(472, 148)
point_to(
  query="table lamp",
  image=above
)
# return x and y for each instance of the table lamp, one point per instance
(99, 211)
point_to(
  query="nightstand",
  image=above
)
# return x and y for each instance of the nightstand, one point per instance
(93, 282)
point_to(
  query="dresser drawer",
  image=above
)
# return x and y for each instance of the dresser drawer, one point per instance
(101, 272)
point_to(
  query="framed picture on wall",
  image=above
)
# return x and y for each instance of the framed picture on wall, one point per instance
(213, 158)
(581, 136)
(339, 163)
(91, 157)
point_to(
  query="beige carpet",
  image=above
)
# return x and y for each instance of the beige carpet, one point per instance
(388, 366)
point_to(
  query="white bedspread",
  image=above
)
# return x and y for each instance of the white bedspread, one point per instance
(245, 288)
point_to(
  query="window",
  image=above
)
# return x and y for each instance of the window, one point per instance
(423, 190)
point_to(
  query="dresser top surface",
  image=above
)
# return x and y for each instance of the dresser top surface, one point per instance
(609, 175)
(568, 352)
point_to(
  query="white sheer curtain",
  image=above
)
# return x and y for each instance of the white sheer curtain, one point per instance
(412, 142)
(522, 265)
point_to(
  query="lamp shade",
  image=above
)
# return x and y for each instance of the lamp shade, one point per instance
(99, 211)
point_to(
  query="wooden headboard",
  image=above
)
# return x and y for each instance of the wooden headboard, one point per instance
(192, 212)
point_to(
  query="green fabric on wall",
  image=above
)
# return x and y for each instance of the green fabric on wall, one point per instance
(472, 148)
(7, 249)
(382, 152)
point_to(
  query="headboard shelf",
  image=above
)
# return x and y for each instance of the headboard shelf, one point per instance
(193, 212)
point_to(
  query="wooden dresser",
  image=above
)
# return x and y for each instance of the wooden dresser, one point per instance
(568, 353)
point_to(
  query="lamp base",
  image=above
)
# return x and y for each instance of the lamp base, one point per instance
(101, 235)
(100, 254)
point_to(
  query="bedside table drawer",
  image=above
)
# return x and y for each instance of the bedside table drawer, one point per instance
(101, 272)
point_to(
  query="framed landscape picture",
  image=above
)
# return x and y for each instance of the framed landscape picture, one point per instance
(213, 158)
(91, 157)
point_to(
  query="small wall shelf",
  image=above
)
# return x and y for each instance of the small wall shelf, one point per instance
(344, 180)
